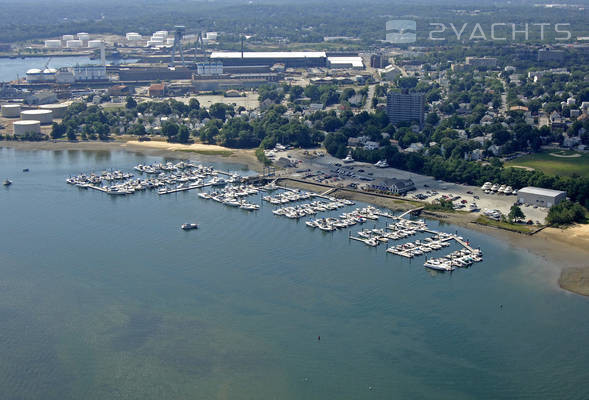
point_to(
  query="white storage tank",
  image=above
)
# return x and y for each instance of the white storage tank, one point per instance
(95, 44)
(48, 75)
(53, 44)
(34, 75)
(65, 38)
(74, 44)
(170, 41)
(42, 116)
(133, 36)
(211, 35)
(22, 128)
(11, 110)
(83, 36)
(58, 110)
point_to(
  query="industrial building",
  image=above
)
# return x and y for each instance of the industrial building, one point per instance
(157, 90)
(291, 59)
(405, 107)
(130, 74)
(89, 73)
(540, 197)
(209, 68)
(345, 62)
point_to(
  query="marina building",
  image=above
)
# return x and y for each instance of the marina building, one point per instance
(393, 185)
(540, 197)
(405, 107)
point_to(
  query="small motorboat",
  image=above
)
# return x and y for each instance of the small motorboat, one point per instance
(7, 182)
(188, 227)
(25, 170)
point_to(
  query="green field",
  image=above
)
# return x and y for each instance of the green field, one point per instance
(549, 162)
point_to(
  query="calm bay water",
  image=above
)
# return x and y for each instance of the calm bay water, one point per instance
(11, 68)
(105, 298)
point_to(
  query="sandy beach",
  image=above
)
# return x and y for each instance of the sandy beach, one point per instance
(567, 250)
(203, 152)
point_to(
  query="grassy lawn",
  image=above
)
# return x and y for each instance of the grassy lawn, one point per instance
(505, 225)
(548, 162)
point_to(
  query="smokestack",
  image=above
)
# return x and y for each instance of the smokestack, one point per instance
(102, 55)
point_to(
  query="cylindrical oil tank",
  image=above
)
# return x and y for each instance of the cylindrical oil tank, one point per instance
(57, 109)
(65, 38)
(133, 36)
(21, 128)
(11, 110)
(74, 44)
(34, 75)
(43, 116)
(53, 44)
(83, 36)
(95, 44)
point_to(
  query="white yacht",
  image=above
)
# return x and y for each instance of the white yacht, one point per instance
(508, 190)
(438, 266)
(495, 187)
(487, 186)
(382, 164)
(348, 158)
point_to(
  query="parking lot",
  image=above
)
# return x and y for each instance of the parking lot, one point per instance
(330, 170)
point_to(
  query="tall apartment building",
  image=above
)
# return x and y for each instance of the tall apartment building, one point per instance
(405, 107)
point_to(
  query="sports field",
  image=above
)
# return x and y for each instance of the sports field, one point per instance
(554, 162)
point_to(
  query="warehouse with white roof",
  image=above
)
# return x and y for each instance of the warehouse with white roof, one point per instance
(540, 197)
(288, 58)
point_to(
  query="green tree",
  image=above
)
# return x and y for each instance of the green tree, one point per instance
(57, 130)
(515, 213)
(131, 103)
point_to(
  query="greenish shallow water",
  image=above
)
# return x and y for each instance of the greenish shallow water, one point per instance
(105, 298)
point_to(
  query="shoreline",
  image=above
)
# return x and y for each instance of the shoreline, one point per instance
(567, 250)
(206, 152)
